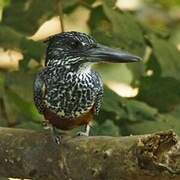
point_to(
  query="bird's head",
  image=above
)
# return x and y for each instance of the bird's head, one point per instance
(75, 48)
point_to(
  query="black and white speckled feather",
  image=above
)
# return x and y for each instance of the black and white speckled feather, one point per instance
(70, 93)
(67, 85)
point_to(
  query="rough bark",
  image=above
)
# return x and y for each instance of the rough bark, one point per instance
(29, 154)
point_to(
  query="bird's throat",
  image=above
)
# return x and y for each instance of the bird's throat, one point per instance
(84, 68)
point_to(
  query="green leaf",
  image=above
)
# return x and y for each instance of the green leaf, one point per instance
(125, 28)
(90, 1)
(112, 103)
(107, 128)
(68, 6)
(115, 28)
(165, 4)
(3, 115)
(18, 98)
(4, 3)
(175, 38)
(167, 56)
(21, 83)
(163, 122)
(162, 93)
(100, 26)
(124, 111)
(176, 112)
(28, 15)
(2, 78)
(32, 49)
(18, 110)
(11, 39)
(138, 111)
(153, 66)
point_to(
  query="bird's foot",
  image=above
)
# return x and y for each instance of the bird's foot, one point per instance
(57, 138)
(46, 124)
(82, 133)
(86, 133)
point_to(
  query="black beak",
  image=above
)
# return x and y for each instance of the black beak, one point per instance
(102, 53)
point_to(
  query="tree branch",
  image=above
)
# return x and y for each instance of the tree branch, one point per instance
(29, 154)
(59, 9)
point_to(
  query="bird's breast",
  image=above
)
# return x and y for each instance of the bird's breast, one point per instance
(70, 95)
(67, 123)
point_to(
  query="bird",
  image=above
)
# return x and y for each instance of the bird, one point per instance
(67, 91)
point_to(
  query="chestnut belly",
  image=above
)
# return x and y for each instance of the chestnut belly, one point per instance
(67, 123)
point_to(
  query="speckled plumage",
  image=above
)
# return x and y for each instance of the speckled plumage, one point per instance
(67, 89)
(69, 93)
(67, 85)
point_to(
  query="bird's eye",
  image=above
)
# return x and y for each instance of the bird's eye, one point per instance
(75, 44)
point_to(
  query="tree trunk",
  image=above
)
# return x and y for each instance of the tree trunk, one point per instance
(34, 155)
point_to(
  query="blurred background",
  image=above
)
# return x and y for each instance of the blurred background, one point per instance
(139, 98)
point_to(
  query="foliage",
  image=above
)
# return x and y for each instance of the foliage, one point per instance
(165, 3)
(157, 105)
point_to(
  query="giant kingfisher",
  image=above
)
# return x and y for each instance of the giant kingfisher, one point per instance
(67, 91)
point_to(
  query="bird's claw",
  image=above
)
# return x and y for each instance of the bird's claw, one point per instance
(86, 133)
(57, 139)
(46, 125)
(82, 134)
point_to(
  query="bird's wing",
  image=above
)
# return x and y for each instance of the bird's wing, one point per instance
(39, 92)
(99, 94)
